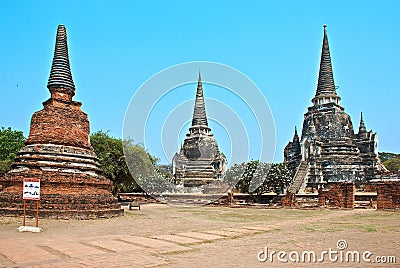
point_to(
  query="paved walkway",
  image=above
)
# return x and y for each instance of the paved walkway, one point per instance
(110, 250)
(222, 245)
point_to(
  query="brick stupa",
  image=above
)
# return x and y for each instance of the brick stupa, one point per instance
(58, 152)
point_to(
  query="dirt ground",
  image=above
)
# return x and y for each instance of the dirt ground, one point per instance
(167, 236)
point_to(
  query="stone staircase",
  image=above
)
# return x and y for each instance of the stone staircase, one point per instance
(299, 177)
(198, 172)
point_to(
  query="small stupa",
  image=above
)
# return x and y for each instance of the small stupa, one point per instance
(58, 152)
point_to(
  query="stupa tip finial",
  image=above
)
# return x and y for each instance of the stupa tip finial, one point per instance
(60, 73)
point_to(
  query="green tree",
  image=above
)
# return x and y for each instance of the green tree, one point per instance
(143, 166)
(384, 156)
(128, 165)
(391, 161)
(240, 175)
(249, 168)
(257, 177)
(11, 141)
(275, 180)
(393, 164)
(112, 160)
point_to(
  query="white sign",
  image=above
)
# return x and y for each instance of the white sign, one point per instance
(31, 189)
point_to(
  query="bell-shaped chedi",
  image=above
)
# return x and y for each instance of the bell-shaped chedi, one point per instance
(58, 152)
(199, 161)
(329, 150)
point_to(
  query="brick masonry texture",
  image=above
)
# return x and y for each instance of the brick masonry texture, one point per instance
(289, 200)
(71, 128)
(388, 196)
(338, 195)
(58, 152)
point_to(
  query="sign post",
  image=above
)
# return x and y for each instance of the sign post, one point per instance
(31, 191)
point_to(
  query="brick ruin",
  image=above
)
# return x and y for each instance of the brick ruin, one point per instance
(58, 152)
(289, 200)
(334, 195)
(338, 195)
(329, 150)
(343, 195)
(388, 195)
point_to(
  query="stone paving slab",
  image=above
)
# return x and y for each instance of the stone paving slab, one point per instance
(109, 260)
(70, 264)
(65, 263)
(222, 233)
(121, 260)
(24, 253)
(158, 246)
(257, 228)
(202, 236)
(82, 255)
(74, 249)
(178, 239)
(239, 231)
(115, 245)
(5, 262)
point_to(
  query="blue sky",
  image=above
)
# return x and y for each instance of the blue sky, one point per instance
(116, 46)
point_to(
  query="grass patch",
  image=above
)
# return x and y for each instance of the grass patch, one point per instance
(133, 214)
(273, 230)
(289, 242)
(177, 252)
(369, 222)
(241, 215)
(12, 220)
(369, 229)
(322, 228)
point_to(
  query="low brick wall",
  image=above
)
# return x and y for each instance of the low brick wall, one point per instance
(337, 195)
(63, 195)
(136, 197)
(1, 177)
(289, 200)
(370, 187)
(388, 195)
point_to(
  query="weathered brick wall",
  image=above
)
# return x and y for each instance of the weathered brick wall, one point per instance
(137, 197)
(60, 123)
(338, 195)
(1, 178)
(289, 200)
(58, 152)
(61, 212)
(388, 195)
(370, 187)
(58, 182)
(62, 93)
(63, 195)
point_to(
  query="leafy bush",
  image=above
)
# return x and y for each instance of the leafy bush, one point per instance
(11, 141)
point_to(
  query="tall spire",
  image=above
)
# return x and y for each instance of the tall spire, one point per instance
(362, 128)
(296, 141)
(326, 84)
(199, 113)
(295, 137)
(60, 74)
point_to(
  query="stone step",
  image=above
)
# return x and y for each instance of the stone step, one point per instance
(299, 177)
